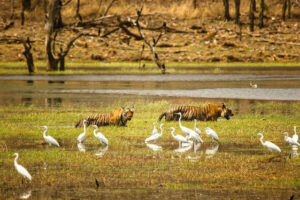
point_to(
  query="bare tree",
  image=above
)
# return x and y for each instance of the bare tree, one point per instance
(78, 16)
(108, 7)
(226, 10)
(251, 15)
(28, 55)
(237, 11)
(12, 9)
(261, 14)
(286, 5)
(152, 45)
(25, 5)
(195, 4)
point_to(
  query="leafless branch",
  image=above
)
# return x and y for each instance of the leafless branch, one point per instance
(160, 65)
(108, 7)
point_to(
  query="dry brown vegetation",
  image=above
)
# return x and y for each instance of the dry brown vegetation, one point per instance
(204, 36)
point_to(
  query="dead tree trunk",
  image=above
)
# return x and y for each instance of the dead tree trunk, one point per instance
(28, 56)
(52, 62)
(261, 14)
(289, 8)
(237, 11)
(251, 15)
(26, 4)
(284, 9)
(195, 4)
(226, 10)
(254, 5)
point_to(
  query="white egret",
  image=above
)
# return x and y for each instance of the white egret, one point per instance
(195, 128)
(154, 131)
(156, 136)
(295, 136)
(82, 136)
(270, 146)
(184, 129)
(100, 136)
(290, 140)
(179, 138)
(20, 169)
(49, 138)
(212, 134)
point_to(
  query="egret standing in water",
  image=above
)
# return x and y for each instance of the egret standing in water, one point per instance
(49, 138)
(212, 134)
(155, 136)
(295, 136)
(82, 136)
(270, 146)
(20, 169)
(290, 140)
(100, 136)
(179, 138)
(184, 129)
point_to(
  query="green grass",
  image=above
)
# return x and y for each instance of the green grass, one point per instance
(133, 67)
(240, 164)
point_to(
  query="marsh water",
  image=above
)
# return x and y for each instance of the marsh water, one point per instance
(104, 88)
(101, 90)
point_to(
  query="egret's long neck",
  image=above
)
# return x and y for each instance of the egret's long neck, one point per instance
(261, 139)
(84, 128)
(161, 130)
(95, 131)
(295, 130)
(172, 133)
(16, 158)
(45, 131)
(180, 115)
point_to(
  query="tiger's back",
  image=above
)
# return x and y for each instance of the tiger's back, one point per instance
(118, 117)
(209, 112)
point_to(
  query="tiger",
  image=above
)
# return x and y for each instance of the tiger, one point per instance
(117, 117)
(209, 112)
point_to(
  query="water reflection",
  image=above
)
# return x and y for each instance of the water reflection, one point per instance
(25, 195)
(154, 147)
(101, 151)
(81, 147)
(211, 151)
(184, 148)
(295, 150)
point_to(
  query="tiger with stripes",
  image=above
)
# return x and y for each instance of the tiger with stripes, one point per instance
(209, 112)
(117, 117)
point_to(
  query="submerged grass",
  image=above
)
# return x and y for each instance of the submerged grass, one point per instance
(240, 165)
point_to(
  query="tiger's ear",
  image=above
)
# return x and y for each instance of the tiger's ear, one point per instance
(223, 106)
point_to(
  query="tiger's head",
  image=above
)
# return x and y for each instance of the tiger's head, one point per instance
(127, 115)
(226, 112)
